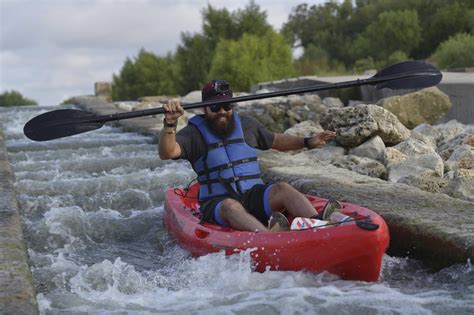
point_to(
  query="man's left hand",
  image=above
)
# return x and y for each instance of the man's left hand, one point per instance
(321, 138)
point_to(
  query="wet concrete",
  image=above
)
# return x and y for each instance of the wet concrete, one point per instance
(17, 294)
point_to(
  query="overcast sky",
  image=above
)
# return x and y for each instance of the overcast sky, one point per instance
(55, 49)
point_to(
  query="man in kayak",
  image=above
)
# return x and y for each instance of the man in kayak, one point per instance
(221, 146)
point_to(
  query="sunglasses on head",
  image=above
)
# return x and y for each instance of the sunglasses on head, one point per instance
(216, 108)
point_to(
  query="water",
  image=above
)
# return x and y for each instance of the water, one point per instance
(92, 209)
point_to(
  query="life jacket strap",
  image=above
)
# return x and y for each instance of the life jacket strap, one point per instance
(226, 166)
(224, 142)
(229, 180)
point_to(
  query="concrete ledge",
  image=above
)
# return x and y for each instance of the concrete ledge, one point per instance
(17, 293)
(434, 228)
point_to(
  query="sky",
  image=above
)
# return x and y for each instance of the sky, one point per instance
(51, 50)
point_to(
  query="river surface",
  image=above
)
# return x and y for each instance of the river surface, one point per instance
(92, 208)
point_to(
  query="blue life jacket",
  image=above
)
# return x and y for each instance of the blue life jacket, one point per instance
(229, 166)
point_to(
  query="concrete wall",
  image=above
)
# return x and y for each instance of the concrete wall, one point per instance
(17, 294)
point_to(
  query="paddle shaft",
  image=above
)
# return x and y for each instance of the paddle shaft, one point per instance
(314, 88)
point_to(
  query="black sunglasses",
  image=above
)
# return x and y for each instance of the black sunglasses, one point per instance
(216, 108)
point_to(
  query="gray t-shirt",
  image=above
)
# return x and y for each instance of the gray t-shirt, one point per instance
(193, 145)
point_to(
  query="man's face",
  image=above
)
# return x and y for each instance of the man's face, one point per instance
(221, 122)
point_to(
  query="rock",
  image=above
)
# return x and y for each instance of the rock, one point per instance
(158, 99)
(306, 128)
(462, 157)
(426, 182)
(354, 103)
(332, 102)
(146, 105)
(428, 131)
(126, 106)
(430, 163)
(295, 100)
(326, 154)
(355, 125)
(192, 97)
(373, 148)
(292, 114)
(392, 156)
(399, 171)
(361, 165)
(446, 148)
(461, 188)
(424, 106)
(414, 146)
(309, 99)
(450, 130)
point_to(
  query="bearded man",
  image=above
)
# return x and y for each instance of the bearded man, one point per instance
(221, 146)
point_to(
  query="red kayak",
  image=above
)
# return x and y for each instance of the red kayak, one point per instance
(351, 251)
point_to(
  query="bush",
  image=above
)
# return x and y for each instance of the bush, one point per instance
(252, 59)
(456, 52)
(316, 61)
(14, 98)
(146, 75)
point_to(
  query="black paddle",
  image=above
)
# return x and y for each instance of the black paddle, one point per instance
(67, 122)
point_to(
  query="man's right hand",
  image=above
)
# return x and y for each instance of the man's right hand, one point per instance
(173, 112)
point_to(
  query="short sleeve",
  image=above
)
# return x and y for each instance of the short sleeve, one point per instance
(256, 135)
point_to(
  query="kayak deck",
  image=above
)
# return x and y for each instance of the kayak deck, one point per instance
(348, 250)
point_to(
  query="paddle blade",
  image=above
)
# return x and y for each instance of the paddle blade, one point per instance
(409, 75)
(60, 123)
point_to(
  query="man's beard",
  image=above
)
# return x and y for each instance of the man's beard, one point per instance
(220, 129)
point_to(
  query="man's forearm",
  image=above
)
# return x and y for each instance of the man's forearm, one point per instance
(283, 142)
(167, 143)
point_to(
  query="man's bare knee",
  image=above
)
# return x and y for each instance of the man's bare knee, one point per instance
(230, 206)
(282, 187)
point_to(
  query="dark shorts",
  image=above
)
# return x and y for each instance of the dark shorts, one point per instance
(254, 200)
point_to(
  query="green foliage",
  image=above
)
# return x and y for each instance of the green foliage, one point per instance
(446, 22)
(252, 59)
(144, 76)
(352, 31)
(193, 59)
(456, 52)
(316, 61)
(14, 98)
(392, 31)
(364, 64)
(195, 55)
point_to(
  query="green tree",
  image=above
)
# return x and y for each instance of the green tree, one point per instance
(194, 56)
(456, 52)
(392, 31)
(14, 98)
(316, 61)
(252, 59)
(147, 75)
(444, 23)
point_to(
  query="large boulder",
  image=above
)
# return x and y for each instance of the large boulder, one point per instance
(424, 106)
(355, 125)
